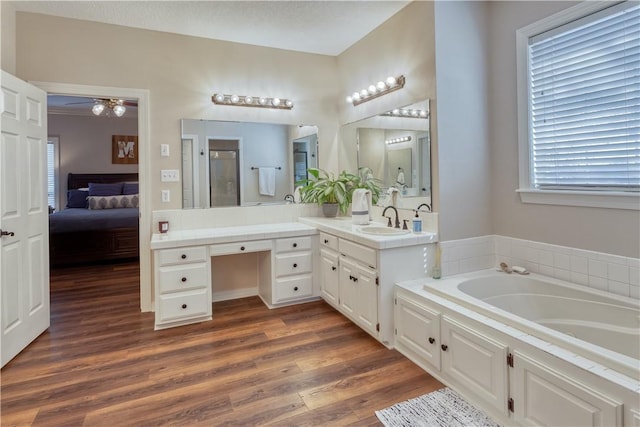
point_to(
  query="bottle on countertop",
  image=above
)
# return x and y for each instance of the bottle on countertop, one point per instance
(417, 223)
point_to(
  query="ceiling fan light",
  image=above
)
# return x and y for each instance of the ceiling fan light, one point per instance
(97, 109)
(119, 110)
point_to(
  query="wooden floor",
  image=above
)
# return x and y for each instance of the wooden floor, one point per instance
(102, 364)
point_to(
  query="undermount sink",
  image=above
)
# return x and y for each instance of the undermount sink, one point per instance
(382, 231)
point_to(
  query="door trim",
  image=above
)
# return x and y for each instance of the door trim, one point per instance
(144, 173)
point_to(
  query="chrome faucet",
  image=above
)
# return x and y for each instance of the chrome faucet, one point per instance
(425, 205)
(389, 218)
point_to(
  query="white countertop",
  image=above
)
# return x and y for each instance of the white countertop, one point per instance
(344, 227)
(215, 235)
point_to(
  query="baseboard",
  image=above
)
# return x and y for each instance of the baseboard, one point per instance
(234, 294)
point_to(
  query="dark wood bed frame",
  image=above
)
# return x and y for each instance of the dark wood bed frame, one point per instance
(94, 245)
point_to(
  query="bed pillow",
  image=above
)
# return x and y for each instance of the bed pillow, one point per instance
(77, 199)
(97, 189)
(113, 202)
(130, 188)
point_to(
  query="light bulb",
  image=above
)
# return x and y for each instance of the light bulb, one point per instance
(275, 102)
(235, 99)
(356, 96)
(364, 93)
(97, 109)
(423, 113)
(219, 97)
(414, 113)
(405, 112)
(119, 110)
(289, 103)
(381, 86)
(262, 101)
(248, 100)
(391, 81)
(396, 112)
(349, 99)
(372, 89)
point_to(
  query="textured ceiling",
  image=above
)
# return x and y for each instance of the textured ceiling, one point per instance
(323, 27)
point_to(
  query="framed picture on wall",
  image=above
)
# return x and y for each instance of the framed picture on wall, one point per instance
(124, 149)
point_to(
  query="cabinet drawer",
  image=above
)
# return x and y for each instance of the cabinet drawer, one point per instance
(293, 264)
(182, 255)
(293, 244)
(183, 277)
(240, 247)
(359, 252)
(328, 241)
(293, 288)
(184, 305)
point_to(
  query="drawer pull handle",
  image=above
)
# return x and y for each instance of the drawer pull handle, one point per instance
(333, 268)
(295, 245)
(444, 347)
(295, 289)
(295, 265)
(184, 279)
(183, 256)
(242, 248)
(184, 306)
(326, 241)
(431, 340)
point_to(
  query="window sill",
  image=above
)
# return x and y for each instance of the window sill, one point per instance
(594, 199)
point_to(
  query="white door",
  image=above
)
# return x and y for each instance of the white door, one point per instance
(24, 245)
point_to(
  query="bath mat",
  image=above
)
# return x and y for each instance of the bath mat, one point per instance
(441, 408)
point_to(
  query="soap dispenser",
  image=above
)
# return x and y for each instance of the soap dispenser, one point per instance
(417, 223)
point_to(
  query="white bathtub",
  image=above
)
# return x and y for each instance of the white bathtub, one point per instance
(600, 326)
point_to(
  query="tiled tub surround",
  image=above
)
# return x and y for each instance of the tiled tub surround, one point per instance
(611, 273)
(510, 367)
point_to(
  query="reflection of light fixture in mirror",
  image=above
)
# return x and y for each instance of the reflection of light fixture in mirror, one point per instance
(115, 105)
(375, 90)
(398, 140)
(252, 101)
(407, 113)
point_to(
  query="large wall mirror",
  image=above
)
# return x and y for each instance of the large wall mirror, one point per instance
(397, 148)
(243, 164)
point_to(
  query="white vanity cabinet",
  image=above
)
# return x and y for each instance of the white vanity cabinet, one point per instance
(182, 286)
(358, 293)
(293, 271)
(417, 332)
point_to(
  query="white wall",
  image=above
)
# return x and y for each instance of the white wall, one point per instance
(7, 37)
(85, 144)
(604, 230)
(463, 149)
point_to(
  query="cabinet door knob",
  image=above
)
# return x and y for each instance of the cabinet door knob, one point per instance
(333, 268)
(242, 248)
(444, 347)
(184, 306)
(295, 245)
(295, 265)
(183, 256)
(184, 279)
(295, 289)
(326, 241)
(431, 340)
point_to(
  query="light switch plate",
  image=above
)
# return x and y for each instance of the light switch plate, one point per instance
(164, 150)
(166, 196)
(169, 175)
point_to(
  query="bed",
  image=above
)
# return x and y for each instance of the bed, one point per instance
(89, 235)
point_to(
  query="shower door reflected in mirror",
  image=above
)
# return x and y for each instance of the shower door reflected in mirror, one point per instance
(224, 177)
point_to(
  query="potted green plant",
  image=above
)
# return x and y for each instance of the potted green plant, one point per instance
(365, 179)
(327, 190)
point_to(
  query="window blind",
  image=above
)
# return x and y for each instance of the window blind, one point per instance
(584, 107)
(51, 174)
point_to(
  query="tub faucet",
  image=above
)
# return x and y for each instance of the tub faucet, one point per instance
(426, 205)
(389, 218)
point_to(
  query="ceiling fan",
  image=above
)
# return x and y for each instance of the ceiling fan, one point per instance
(118, 106)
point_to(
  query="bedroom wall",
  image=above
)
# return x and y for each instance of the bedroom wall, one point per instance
(613, 231)
(85, 145)
(181, 74)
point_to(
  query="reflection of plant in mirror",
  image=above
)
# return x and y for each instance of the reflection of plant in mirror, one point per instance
(324, 187)
(365, 179)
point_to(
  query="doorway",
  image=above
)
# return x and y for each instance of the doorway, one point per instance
(141, 96)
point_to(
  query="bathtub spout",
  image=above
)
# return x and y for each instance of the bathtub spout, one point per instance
(504, 267)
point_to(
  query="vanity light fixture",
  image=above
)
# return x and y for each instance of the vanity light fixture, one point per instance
(252, 101)
(389, 85)
(398, 140)
(407, 113)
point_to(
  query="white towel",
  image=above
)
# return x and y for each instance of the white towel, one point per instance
(267, 181)
(400, 179)
(360, 206)
(297, 198)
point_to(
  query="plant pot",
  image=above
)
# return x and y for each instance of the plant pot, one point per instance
(330, 210)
